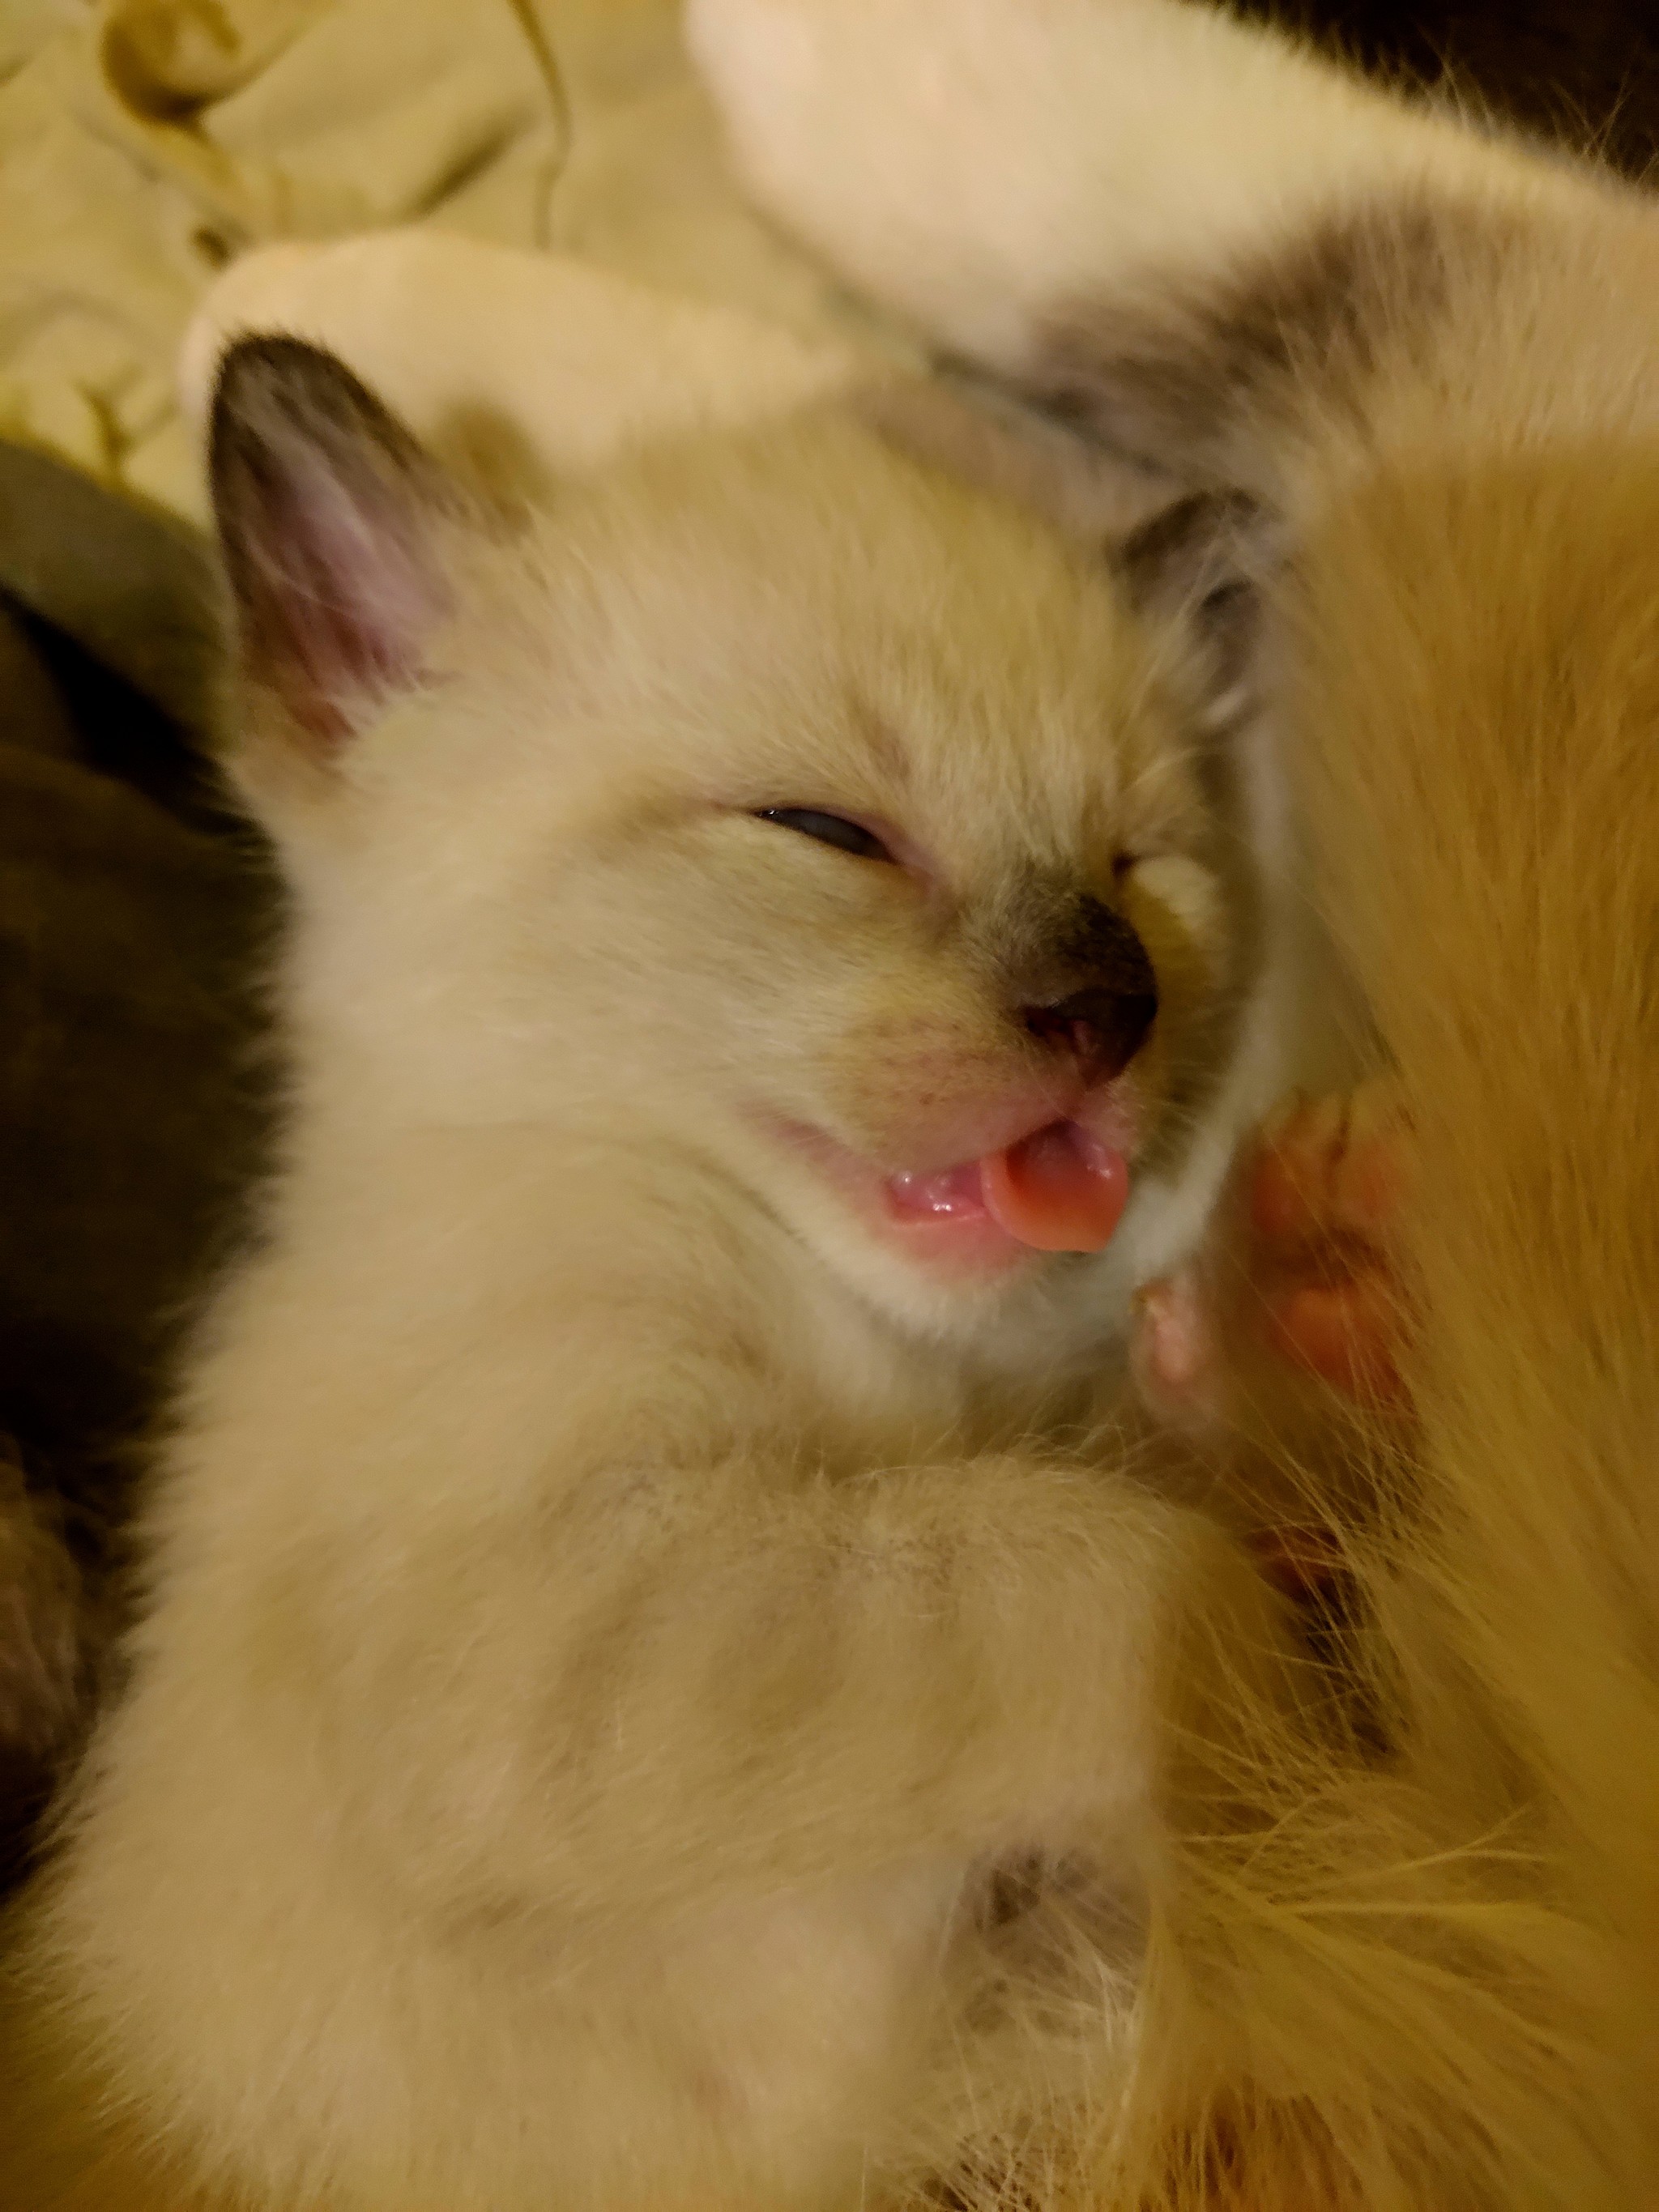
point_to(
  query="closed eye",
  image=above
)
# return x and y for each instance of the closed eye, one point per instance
(829, 830)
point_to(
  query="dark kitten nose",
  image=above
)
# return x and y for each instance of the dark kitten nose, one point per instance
(1103, 1029)
(1103, 1020)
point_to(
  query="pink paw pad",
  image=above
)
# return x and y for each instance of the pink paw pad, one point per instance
(1327, 1184)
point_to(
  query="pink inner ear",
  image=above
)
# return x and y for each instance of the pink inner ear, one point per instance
(340, 589)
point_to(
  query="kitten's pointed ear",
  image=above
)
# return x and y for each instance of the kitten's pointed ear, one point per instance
(1198, 567)
(1193, 565)
(331, 521)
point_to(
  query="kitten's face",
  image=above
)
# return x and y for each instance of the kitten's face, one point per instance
(786, 804)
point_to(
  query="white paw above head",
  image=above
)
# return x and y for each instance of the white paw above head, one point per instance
(890, 136)
(990, 168)
(576, 361)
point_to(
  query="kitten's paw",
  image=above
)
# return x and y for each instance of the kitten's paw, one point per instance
(1176, 1353)
(1326, 1183)
(1298, 1280)
(897, 139)
(1250, 1352)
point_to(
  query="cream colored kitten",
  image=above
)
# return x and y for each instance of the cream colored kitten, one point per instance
(645, 1698)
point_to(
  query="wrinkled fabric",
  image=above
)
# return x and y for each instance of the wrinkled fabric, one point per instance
(145, 144)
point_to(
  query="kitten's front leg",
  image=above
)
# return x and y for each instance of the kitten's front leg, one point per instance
(819, 1677)
(779, 1734)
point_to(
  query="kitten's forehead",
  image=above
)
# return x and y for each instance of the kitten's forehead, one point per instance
(1036, 750)
(845, 626)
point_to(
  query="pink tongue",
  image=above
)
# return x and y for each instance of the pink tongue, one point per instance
(1061, 1190)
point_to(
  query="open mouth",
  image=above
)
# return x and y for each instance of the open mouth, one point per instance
(1059, 1187)
(1062, 1188)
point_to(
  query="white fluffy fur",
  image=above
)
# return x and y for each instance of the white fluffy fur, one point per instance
(1433, 1982)
(974, 164)
(610, 1617)
(564, 363)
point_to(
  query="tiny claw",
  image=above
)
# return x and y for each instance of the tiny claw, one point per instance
(1173, 1334)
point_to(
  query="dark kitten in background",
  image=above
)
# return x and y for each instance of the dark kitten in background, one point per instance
(1584, 73)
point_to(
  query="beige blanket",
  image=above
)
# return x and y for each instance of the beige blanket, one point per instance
(146, 144)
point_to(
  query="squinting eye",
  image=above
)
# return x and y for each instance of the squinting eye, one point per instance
(829, 829)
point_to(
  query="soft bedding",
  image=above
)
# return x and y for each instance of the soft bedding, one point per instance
(145, 144)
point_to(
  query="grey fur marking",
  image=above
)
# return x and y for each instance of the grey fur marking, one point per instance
(1171, 384)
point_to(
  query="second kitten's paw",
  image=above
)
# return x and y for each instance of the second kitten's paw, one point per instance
(897, 139)
(1325, 1189)
(1294, 1315)
(1298, 1283)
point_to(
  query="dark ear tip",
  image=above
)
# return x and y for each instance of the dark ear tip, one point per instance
(272, 360)
(326, 505)
(268, 365)
(1210, 549)
(270, 382)
(1204, 528)
(1202, 564)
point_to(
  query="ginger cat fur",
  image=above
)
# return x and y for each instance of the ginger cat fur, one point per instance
(1430, 358)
